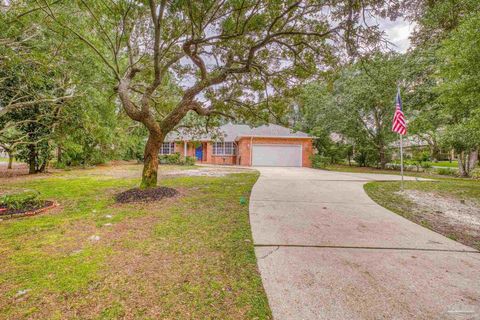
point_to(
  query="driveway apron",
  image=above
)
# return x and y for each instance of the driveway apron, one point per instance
(325, 250)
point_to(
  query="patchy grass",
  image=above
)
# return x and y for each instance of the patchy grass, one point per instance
(357, 169)
(4, 159)
(433, 173)
(452, 197)
(187, 257)
(447, 164)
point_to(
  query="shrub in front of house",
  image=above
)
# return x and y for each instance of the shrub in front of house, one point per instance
(177, 159)
(319, 161)
(188, 161)
(170, 158)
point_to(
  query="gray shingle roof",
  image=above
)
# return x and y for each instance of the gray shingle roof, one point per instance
(232, 132)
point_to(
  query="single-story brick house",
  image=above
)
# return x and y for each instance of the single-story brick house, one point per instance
(234, 144)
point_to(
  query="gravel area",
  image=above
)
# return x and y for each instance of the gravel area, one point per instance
(460, 219)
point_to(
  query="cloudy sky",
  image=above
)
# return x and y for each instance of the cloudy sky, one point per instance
(398, 32)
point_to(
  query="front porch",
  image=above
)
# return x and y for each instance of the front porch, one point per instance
(203, 153)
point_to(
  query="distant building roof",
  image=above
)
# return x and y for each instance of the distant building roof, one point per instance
(233, 132)
(410, 142)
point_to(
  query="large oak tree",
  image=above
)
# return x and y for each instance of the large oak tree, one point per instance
(212, 57)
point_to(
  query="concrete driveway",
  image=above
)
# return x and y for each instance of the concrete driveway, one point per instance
(325, 250)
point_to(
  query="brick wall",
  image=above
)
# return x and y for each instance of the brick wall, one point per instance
(208, 156)
(179, 147)
(213, 159)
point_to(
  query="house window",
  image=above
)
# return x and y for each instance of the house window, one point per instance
(223, 148)
(167, 148)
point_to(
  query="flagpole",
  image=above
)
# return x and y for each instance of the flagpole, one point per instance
(401, 159)
(401, 144)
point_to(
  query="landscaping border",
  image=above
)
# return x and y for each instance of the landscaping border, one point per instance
(29, 213)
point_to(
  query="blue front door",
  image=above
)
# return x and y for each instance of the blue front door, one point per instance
(199, 153)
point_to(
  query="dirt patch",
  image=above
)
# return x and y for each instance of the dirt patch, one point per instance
(145, 195)
(117, 170)
(18, 169)
(216, 171)
(134, 170)
(450, 216)
(19, 172)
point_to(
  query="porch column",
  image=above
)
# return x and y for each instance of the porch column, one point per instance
(185, 149)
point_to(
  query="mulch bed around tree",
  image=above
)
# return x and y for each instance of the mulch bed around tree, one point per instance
(145, 195)
(6, 213)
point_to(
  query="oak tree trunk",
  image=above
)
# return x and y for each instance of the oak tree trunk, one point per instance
(10, 160)
(150, 161)
(32, 161)
(43, 167)
(383, 158)
(59, 154)
(472, 160)
(462, 164)
(467, 162)
(435, 152)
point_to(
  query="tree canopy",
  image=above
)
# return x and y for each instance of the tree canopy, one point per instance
(227, 58)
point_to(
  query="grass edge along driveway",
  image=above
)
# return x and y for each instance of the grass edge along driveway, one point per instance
(191, 257)
(460, 190)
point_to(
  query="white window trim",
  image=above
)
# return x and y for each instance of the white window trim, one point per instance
(171, 148)
(223, 148)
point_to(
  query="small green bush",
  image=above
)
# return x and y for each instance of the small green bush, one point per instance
(426, 165)
(319, 161)
(170, 158)
(366, 157)
(394, 166)
(59, 165)
(18, 201)
(176, 159)
(189, 161)
(476, 174)
(446, 171)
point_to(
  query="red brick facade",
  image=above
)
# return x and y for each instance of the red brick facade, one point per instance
(243, 150)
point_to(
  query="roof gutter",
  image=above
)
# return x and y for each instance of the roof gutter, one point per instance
(244, 136)
(272, 137)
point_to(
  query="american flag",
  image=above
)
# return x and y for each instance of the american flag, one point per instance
(399, 126)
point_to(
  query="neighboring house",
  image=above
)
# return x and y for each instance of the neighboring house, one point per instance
(267, 145)
(414, 144)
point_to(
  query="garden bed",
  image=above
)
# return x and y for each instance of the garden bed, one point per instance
(7, 213)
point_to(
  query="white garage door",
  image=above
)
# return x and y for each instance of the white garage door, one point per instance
(277, 155)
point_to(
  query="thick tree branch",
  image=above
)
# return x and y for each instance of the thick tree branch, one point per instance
(200, 110)
(25, 104)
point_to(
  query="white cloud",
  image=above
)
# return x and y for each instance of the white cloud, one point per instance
(398, 32)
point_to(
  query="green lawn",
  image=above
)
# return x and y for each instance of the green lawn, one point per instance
(189, 257)
(356, 169)
(458, 191)
(432, 173)
(447, 164)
